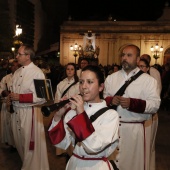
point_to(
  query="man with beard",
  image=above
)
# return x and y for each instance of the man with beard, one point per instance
(135, 108)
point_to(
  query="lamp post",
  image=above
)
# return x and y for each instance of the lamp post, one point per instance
(76, 48)
(156, 52)
(18, 32)
(13, 51)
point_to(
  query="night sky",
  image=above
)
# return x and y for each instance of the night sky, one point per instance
(133, 10)
(58, 11)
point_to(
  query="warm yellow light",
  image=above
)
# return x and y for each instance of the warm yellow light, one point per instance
(18, 30)
(75, 46)
(71, 47)
(79, 47)
(156, 46)
(152, 48)
(156, 51)
(13, 49)
(161, 49)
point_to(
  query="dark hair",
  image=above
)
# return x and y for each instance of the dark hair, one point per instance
(99, 74)
(75, 73)
(4, 62)
(85, 60)
(146, 57)
(116, 66)
(97, 71)
(145, 61)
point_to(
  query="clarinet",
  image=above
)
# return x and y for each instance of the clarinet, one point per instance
(46, 110)
(11, 108)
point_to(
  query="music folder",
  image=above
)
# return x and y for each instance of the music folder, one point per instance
(43, 89)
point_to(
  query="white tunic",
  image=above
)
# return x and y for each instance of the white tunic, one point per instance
(63, 85)
(6, 132)
(155, 74)
(79, 72)
(130, 155)
(100, 143)
(22, 120)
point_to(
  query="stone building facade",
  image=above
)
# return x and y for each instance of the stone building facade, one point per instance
(110, 36)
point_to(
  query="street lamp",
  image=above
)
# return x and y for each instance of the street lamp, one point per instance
(17, 42)
(18, 30)
(156, 52)
(77, 48)
(13, 51)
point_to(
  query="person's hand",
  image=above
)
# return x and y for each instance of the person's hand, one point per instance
(116, 100)
(79, 103)
(5, 93)
(125, 102)
(14, 96)
(62, 110)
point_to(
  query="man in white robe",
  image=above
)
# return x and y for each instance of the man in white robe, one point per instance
(155, 74)
(27, 119)
(140, 100)
(5, 87)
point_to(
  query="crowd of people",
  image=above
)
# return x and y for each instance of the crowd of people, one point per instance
(109, 123)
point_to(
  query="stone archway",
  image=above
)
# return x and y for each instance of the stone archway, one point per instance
(166, 56)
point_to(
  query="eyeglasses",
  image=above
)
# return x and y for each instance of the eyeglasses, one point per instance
(19, 54)
(141, 66)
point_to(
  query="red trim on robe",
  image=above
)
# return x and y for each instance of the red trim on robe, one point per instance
(108, 100)
(137, 105)
(52, 117)
(58, 133)
(26, 98)
(81, 126)
(31, 146)
(93, 159)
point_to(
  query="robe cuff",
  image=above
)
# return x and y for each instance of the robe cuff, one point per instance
(108, 100)
(81, 126)
(137, 105)
(26, 98)
(58, 133)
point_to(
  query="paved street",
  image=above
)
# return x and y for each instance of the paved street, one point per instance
(11, 161)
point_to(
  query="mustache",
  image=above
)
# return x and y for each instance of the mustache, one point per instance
(125, 62)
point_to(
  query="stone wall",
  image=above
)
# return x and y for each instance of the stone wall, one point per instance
(111, 36)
